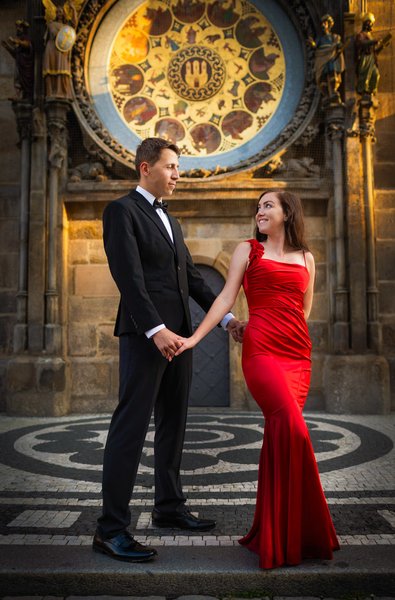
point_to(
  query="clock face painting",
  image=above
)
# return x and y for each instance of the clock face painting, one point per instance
(220, 79)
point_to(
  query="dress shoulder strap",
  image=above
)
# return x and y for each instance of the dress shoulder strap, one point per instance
(257, 249)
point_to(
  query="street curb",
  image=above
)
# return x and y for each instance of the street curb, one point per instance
(65, 571)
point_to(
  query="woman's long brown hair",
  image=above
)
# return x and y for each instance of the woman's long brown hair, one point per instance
(294, 225)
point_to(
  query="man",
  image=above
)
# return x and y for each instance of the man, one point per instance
(329, 60)
(155, 275)
(367, 49)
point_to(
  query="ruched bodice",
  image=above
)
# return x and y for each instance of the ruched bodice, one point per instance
(275, 292)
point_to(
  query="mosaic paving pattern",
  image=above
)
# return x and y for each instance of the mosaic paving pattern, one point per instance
(50, 473)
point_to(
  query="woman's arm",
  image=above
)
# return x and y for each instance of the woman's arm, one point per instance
(308, 296)
(225, 300)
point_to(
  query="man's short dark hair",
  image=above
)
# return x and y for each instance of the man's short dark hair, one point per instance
(149, 151)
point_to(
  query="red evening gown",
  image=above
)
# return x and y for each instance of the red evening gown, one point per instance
(292, 519)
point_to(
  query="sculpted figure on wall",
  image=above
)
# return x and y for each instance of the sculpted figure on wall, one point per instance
(21, 49)
(59, 40)
(367, 49)
(329, 60)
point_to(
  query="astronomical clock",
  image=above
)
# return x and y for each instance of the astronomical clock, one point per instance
(227, 80)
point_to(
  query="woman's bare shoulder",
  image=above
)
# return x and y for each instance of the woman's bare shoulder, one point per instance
(309, 259)
(243, 248)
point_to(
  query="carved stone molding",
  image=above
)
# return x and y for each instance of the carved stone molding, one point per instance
(23, 115)
(367, 118)
(94, 129)
(57, 131)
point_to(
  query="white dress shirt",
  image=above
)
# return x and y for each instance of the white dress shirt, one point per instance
(165, 219)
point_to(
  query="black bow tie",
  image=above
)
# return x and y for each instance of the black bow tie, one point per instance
(162, 205)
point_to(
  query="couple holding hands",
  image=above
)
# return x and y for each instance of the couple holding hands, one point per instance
(155, 275)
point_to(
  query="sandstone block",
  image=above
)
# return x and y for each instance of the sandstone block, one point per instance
(85, 230)
(385, 223)
(9, 235)
(387, 297)
(319, 335)
(78, 252)
(9, 205)
(7, 302)
(51, 375)
(316, 227)
(99, 310)
(93, 404)
(82, 339)
(320, 308)
(385, 198)
(357, 384)
(108, 343)
(94, 280)
(21, 375)
(96, 252)
(9, 270)
(389, 338)
(90, 378)
(318, 248)
(203, 247)
(320, 283)
(38, 404)
(386, 259)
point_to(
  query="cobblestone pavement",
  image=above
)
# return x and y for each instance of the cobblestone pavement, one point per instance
(50, 470)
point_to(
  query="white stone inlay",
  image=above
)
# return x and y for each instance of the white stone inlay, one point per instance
(45, 518)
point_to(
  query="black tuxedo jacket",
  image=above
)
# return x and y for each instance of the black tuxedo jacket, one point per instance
(154, 276)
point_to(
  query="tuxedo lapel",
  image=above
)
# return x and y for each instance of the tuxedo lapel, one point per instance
(177, 235)
(143, 204)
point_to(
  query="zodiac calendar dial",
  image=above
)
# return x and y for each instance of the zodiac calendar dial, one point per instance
(208, 76)
(204, 76)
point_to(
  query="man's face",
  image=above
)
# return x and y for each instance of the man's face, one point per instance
(368, 25)
(160, 178)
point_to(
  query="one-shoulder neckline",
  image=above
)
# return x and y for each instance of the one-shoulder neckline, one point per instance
(282, 262)
(259, 246)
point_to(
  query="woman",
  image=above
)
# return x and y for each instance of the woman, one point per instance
(292, 519)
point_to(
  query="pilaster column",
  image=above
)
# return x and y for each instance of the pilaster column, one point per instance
(367, 115)
(335, 133)
(23, 113)
(56, 111)
(358, 382)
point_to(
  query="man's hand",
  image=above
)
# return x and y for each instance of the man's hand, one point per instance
(167, 342)
(236, 329)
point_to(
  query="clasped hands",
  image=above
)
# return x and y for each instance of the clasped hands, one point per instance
(171, 344)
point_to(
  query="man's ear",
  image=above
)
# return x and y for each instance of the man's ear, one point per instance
(144, 169)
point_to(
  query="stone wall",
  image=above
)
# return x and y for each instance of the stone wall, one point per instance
(9, 193)
(214, 220)
(385, 185)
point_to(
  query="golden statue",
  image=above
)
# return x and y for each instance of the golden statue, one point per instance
(329, 60)
(367, 48)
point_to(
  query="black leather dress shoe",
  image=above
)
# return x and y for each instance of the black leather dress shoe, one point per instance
(123, 547)
(184, 520)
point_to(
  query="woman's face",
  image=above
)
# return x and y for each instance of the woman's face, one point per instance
(270, 215)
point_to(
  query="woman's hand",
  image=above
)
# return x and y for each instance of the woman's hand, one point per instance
(187, 344)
